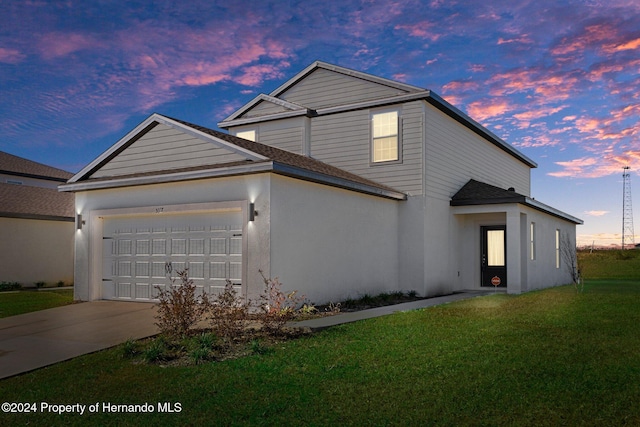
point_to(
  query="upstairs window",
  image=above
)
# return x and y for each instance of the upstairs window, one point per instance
(385, 137)
(247, 134)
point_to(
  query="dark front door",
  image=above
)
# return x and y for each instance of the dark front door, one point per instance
(494, 256)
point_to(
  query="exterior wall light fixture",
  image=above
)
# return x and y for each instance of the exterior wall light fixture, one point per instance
(253, 213)
(79, 222)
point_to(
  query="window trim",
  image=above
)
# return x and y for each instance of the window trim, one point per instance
(374, 113)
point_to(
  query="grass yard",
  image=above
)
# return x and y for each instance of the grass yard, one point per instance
(553, 357)
(19, 302)
(610, 264)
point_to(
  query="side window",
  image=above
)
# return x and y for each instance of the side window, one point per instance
(532, 248)
(557, 248)
(385, 135)
(247, 134)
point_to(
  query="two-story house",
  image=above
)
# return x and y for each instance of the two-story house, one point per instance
(338, 182)
(36, 223)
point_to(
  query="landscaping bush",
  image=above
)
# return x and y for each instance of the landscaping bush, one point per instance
(228, 312)
(179, 308)
(277, 307)
(10, 286)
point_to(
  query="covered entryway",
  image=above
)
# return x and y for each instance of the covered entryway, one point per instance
(494, 256)
(142, 252)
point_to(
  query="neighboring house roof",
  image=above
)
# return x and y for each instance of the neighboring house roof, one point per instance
(404, 93)
(479, 193)
(260, 158)
(14, 165)
(24, 201)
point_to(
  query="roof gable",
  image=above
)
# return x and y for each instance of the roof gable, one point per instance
(266, 105)
(319, 86)
(162, 144)
(327, 87)
(324, 67)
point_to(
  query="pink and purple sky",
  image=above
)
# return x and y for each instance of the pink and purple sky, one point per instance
(560, 80)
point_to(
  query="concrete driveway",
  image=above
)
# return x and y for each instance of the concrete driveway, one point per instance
(33, 340)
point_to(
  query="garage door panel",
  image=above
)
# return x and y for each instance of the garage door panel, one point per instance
(178, 246)
(143, 290)
(123, 290)
(138, 250)
(196, 270)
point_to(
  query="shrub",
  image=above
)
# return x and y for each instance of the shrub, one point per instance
(179, 308)
(199, 355)
(129, 349)
(277, 307)
(258, 348)
(155, 351)
(206, 340)
(40, 285)
(228, 312)
(10, 286)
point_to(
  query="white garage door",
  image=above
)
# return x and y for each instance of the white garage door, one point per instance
(141, 254)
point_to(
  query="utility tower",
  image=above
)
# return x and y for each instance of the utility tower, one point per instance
(628, 239)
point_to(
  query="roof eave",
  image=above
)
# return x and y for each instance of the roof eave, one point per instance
(307, 175)
(270, 166)
(40, 217)
(552, 211)
(226, 124)
(166, 177)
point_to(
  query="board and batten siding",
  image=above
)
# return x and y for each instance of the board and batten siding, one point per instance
(165, 148)
(454, 154)
(344, 140)
(324, 88)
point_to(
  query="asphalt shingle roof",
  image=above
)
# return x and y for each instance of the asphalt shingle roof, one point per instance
(287, 157)
(22, 167)
(479, 193)
(24, 201)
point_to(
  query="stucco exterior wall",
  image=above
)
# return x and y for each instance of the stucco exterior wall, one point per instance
(36, 251)
(94, 205)
(542, 270)
(523, 273)
(331, 244)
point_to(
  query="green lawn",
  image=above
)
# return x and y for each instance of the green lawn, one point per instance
(610, 264)
(552, 357)
(12, 303)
